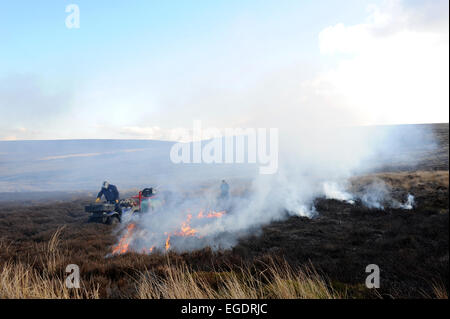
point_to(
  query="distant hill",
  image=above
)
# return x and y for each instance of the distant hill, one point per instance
(74, 165)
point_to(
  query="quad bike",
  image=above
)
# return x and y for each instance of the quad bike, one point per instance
(108, 213)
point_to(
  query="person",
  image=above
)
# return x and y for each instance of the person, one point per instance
(111, 195)
(110, 192)
(224, 189)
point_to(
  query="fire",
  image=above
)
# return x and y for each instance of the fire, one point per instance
(185, 231)
(211, 214)
(168, 242)
(124, 242)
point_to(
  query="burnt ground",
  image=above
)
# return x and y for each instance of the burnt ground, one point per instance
(409, 246)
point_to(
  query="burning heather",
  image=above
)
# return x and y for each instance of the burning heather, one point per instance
(136, 238)
(313, 164)
(174, 226)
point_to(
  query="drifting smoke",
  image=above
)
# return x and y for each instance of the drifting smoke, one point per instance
(315, 164)
(409, 202)
(334, 191)
(378, 195)
(375, 194)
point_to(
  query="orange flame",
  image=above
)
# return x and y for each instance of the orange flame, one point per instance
(124, 242)
(211, 214)
(168, 242)
(185, 231)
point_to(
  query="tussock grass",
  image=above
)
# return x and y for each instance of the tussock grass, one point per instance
(275, 282)
(53, 258)
(179, 283)
(18, 281)
(440, 292)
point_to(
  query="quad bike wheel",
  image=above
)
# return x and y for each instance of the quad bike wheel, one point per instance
(113, 220)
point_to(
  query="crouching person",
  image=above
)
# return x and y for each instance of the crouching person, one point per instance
(111, 195)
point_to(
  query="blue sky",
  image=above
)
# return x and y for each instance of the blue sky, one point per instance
(35, 38)
(143, 68)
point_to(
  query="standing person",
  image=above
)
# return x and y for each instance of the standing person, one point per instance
(224, 190)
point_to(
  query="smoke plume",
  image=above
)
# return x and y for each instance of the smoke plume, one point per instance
(313, 164)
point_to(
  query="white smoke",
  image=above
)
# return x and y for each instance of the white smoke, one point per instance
(409, 204)
(311, 166)
(375, 195)
(333, 190)
(378, 195)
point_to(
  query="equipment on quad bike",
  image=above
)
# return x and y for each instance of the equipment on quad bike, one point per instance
(147, 199)
(148, 192)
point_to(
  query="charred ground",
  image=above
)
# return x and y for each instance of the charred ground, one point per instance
(409, 246)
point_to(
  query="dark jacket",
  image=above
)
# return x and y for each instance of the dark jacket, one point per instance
(111, 193)
(224, 189)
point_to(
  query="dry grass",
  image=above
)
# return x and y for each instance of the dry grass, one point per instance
(275, 282)
(18, 281)
(52, 255)
(179, 282)
(173, 281)
(440, 292)
(304, 284)
(408, 180)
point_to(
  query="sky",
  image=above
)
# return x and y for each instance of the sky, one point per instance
(148, 69)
